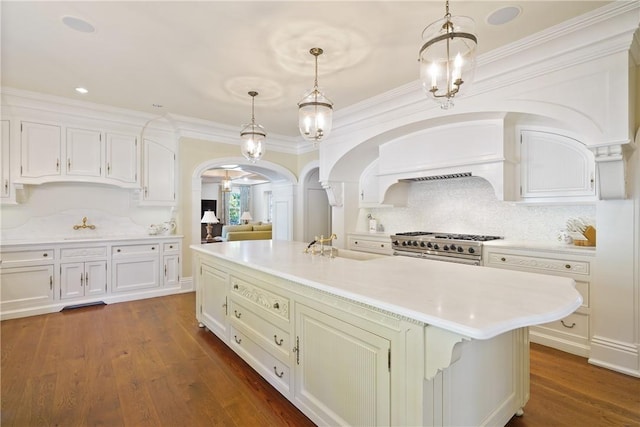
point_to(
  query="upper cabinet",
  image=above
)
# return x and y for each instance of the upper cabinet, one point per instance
(555, 167)
(159, 162)
(5, 163)
(54, 153)
(40, 150)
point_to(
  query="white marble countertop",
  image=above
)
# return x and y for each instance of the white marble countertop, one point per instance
(472, 301)
(55, 240)
(558, 247)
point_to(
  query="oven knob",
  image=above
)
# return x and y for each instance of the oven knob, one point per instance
(429, 245)
(415, 243)
(452, 247)
(471, 250)
(435, 246)
(460, 249)
(395, 243)
(404, 243)
(422, 245)
(446, 248)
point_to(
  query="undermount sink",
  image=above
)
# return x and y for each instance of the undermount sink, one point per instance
(355, 255)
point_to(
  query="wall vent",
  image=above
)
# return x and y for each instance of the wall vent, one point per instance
(434, 177)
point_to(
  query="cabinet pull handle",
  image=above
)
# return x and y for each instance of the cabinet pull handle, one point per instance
(118, 250)
(86, 279)
(68, 165)
(238, 340)
(153, 248)
(567, 266)
(276, 306)
(235, 286)
(50, 282)
(279, 375)
(170, 246)
(81, 279)
(57, 165)
(238, 315)
(296, 350)
(278, 342)
(503, 259)
(6, 185)
(109, 168)
(567, 326)
(165, 271)
(45, 254)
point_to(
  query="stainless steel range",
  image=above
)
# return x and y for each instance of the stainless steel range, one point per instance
(458, 248)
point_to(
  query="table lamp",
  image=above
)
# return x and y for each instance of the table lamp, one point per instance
(209, 218)
(246, 217)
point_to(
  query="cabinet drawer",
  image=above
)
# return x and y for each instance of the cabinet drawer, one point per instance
(502, 260)
(77, 253)
(12, 257)
(271, 336)
(376, 246)
(575, 325)
(267, 300)
(134, 250)
(270, 367)
(171, 247)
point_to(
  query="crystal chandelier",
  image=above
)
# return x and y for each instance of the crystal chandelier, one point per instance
(315, 110)
(447, 57)
(253, 136)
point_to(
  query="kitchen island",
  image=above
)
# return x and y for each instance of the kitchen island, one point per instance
(378, 340)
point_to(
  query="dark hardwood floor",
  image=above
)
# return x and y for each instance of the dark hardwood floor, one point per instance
(146, 363)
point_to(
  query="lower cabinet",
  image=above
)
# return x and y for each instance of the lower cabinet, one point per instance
(342, 371)
(81, 279)
(377, 243)
(24, 287)
(572, 333)
(37, 278)
(135, 267)
(212, 299)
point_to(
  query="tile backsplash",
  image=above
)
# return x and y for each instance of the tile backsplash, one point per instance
(469, 205)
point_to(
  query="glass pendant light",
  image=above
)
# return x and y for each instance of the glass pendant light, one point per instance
(315, 110)
(448, 58)
(225, 183)
(253, 136)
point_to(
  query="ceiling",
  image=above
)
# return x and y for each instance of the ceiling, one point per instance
(199, 59)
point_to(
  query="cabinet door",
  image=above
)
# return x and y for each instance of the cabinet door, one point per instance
(25, 287)
(342, 372)
(122, 158)
(555, 166)
(159, 172)
(5, 144)
(84, 152)
(71, 280)
(171, 270)
(213, 303)
(95, 278)
(40, 146)
(135, 273)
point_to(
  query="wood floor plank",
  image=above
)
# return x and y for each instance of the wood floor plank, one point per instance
(147, 363)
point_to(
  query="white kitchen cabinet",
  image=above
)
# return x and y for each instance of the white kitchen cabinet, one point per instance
(24, 287)
(572, 333)
(212, 295)
(41, 150)
(122, 158)
(377, 243)
(159, 173)
(80, 279)
(5, 160)
(135, 267)
(554, 166)
(342, 371)
(85, 153)
(171, 264)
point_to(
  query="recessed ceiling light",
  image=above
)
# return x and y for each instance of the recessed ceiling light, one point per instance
(81, 90)
(78, 24)
(503, 15)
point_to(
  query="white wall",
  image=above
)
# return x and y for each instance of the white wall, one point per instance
(210, 191)
(259, 207)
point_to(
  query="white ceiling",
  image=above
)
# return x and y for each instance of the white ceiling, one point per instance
(199, 59)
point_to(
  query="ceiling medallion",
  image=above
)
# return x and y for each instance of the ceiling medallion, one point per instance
(448, 58)
(315, 110)
(252, 136)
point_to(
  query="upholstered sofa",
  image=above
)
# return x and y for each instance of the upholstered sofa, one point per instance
(232, 233)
